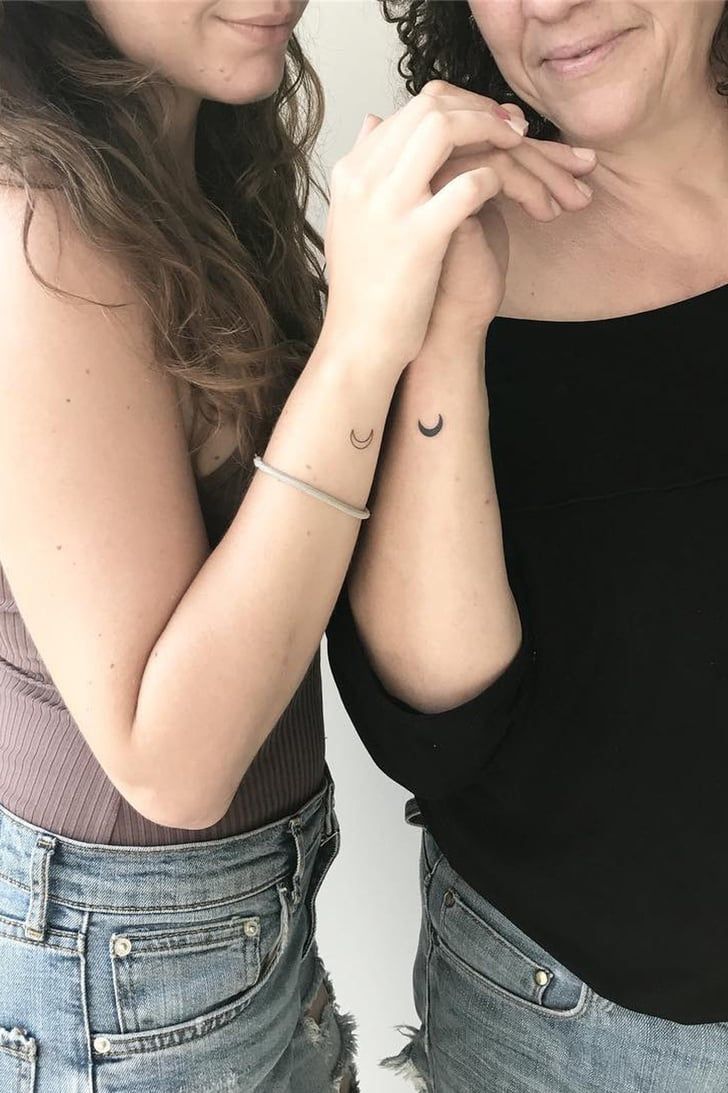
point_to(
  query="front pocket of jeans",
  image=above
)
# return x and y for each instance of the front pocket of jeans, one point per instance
(164, 1036)
(166, 976)
(479, 947)
(17, 1061)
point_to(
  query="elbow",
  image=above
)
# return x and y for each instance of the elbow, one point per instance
(427, 695)
(175, 786)
(188, 788)
(435, 686)
(166, 806)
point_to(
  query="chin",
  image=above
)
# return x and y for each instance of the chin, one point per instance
(599, 121)
(246, 88)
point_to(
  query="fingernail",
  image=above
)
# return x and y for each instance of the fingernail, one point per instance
(520, 127)
(501, 113)
(584, 153)
(586, 190)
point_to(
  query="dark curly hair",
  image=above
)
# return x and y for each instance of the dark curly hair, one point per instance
(443, 42)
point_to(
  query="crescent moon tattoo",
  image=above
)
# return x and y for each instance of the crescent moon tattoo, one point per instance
(361, 444)
(432, 430)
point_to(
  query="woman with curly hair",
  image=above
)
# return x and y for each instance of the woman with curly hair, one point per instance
(534, 639)
(166, 816)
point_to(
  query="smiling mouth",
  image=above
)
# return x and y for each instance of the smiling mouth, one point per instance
(582, 59)
(577, 53)
(584, 53)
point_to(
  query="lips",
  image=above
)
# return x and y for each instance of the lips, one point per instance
(262, 21)
(284, 16)
(582, 48)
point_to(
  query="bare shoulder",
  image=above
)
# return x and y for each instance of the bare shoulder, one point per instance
(69, 311)
(54, 284)
(39, 231)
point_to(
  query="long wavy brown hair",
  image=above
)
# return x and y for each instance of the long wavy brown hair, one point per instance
(443, 42)
(229, 271)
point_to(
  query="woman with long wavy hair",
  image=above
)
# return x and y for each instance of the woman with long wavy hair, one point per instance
(186, 451)
(540, 652)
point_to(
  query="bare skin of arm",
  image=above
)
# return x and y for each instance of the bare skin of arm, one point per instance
(429, 587)
(434, 554)
(176, 661)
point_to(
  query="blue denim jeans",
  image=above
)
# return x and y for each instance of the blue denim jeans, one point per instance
(500, 1015)
(184, 969)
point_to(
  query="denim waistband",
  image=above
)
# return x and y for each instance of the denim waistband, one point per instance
(196, 875)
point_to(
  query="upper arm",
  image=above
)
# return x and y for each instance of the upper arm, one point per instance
(100, 527)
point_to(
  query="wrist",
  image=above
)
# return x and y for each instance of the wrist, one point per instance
(347, 370)
(446, 347)
(358, 354)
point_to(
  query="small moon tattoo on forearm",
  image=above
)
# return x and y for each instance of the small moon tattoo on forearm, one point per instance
(431, 430)
(361, 444)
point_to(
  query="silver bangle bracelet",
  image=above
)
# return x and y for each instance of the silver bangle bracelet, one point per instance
(312, 491)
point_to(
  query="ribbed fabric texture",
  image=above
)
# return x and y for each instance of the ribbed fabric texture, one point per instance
(49, 776)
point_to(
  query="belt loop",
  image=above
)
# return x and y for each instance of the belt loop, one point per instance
(297, 835)
(329, 825)
(413, 813)
(35, 920)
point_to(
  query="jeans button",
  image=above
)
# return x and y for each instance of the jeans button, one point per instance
(122, 946)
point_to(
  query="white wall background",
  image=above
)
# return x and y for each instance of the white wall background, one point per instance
(369, 908)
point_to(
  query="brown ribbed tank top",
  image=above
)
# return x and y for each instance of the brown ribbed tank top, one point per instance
(49, 776)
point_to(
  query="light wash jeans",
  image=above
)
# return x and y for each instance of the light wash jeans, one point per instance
(185, 969)
(500, 1015)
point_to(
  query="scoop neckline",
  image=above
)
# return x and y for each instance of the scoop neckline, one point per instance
(630, 316)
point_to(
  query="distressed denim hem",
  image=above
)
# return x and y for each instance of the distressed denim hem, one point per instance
(411, 1063)
(334, 1025)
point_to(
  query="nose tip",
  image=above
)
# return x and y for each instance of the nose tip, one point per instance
(550, 11)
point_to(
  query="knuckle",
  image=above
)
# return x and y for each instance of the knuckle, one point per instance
(340, 171)
(435, 88)
(418, 105)
(356, 187)
(437, 125)
(382, 202)
(472, 187)
(344, 178)
(491, 179)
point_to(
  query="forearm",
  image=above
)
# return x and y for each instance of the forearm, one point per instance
(429, 587)
(242, 636)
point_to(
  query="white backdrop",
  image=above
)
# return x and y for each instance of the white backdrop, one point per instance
(369, 908)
